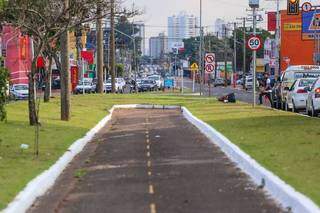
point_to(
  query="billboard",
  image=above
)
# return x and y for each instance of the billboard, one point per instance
(310, 24)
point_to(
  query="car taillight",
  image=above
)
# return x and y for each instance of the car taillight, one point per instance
(300, 91)
(317, 93)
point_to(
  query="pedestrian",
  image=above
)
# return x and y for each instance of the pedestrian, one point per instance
(265, 89)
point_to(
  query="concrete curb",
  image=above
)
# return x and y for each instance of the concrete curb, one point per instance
(278, 189)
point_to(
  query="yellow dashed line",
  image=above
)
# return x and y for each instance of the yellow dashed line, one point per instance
(149, 173)
(151, 191)
(148, 154)
(149, 163)
(153, 208)
(148, 141)
(148, 147)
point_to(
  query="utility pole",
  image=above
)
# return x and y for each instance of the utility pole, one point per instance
(244, 53)
(201, 52)
(254, 11)
(234, 51)
(112, 47)
(99, 31)
(277, 67)
(225, 57)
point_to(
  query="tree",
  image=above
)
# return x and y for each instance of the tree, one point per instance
(45, 22)
(4, 77)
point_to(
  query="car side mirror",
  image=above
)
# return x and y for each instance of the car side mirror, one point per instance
(286, 88)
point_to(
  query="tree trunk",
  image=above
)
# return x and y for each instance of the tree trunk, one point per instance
(99, 51)
(33, 120)
(112, 47)
(65, 78)
(47, 92)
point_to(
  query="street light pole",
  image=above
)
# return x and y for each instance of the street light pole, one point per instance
(254, 10)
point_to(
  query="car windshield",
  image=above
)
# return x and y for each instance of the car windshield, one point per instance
(21, 87)
(108, 81)
(306, 82)
(147, 82)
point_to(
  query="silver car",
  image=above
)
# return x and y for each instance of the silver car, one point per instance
(19, 91)
(313, 100)
(297, 94)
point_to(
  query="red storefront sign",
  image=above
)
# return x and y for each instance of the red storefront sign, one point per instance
(74, 77)
(272, 21)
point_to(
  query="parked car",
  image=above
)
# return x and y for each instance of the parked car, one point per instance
(313, 99)
(85, 86)
(119, 85)
(218, 82)
(297, 94)
(19, 91)
(158, 79)
(147, 85)
(249, 82)
(291, 74)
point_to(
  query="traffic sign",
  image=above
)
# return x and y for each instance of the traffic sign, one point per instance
(306, 7)
(254, 42)
(194, 67)
(210, 58)
(210, 68)
(210, 62)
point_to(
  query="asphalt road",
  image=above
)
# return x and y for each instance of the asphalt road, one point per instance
(153, 161)
(241, 95)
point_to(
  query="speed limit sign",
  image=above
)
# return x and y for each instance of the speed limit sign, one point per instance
(254, 42)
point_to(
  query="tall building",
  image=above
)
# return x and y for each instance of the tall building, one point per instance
(220, 26)
(182, 26)
(158, 46)
(142, 35)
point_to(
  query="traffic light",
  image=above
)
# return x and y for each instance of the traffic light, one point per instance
(293, 7)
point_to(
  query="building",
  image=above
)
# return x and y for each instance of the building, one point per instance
(158, 46)
(142, 35)
(182, 26)
(299, 45)
(17, 54)
(219, 27)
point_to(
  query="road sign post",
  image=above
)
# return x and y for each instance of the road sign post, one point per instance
(194, 68)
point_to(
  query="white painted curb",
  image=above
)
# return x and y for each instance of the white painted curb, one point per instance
(39, 185)
(278, 189)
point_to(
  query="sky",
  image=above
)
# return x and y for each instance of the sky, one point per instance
(155, 12)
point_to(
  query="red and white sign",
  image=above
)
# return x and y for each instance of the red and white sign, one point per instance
(210, 64)
(254, 42)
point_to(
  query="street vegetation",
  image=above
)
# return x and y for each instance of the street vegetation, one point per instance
(283, 142)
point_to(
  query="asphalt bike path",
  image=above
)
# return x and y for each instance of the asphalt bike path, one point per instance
(153, 161)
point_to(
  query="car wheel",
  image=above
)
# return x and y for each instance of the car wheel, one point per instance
(314, 113)
(294, 107)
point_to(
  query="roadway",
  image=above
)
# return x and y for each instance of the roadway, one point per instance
(149, 161)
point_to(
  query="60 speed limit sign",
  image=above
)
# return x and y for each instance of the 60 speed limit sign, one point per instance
(254, 42)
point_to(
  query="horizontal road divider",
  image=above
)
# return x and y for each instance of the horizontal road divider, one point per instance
(278, 189)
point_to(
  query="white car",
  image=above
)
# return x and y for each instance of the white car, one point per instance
(120, 83)
(159, 81)
(313, 100)
(19, 91)
(297, 94)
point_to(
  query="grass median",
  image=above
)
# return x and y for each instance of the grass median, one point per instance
(285, 143)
